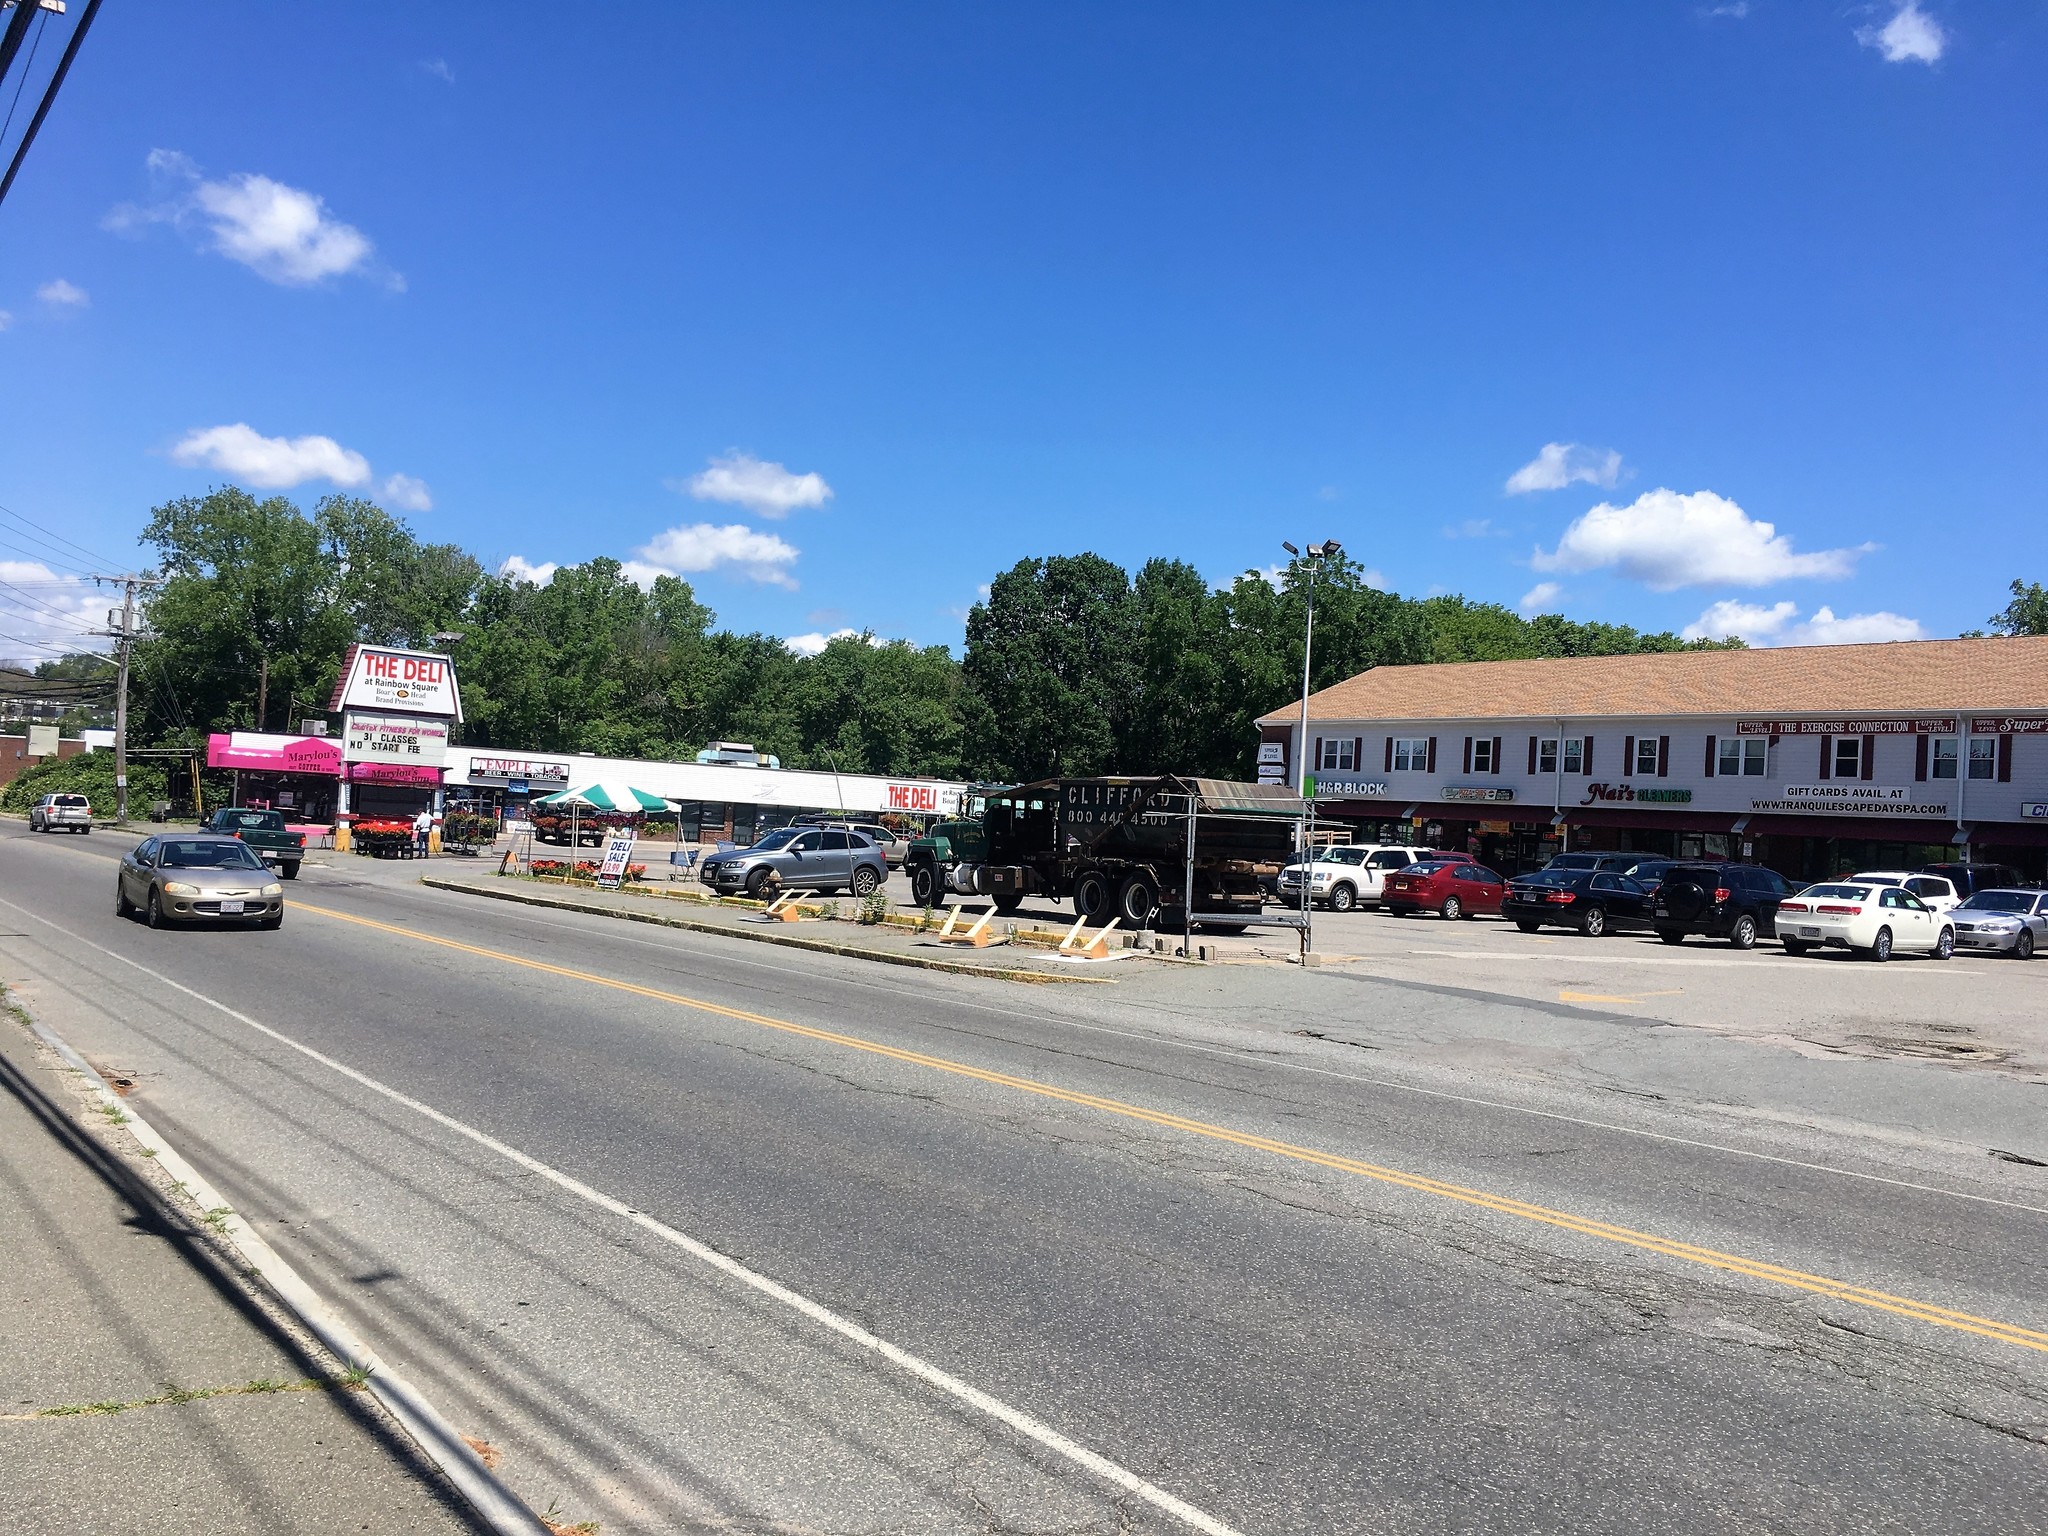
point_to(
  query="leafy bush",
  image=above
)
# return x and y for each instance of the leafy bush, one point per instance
(90, 774)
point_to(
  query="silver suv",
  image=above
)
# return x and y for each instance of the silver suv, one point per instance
(70, 813)
(799, 859)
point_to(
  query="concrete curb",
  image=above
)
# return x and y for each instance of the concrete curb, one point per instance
(502, 1510)
(761, 936)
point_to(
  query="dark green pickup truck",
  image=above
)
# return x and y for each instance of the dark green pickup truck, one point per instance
(264, 832)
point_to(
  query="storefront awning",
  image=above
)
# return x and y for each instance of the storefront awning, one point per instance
(1653, 821)
(2008, 834)
(262, 752)
(1875, 829)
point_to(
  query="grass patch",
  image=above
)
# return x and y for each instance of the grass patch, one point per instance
(348, 1381)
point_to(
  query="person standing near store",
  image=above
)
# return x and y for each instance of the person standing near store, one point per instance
(422, 825)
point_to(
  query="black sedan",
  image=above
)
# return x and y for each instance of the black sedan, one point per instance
(1590, 900)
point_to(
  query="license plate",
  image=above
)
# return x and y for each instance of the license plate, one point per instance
(1809, 933)
(228, 908)
(1662, 913)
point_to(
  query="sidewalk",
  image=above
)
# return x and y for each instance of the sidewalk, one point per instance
(144, 1385)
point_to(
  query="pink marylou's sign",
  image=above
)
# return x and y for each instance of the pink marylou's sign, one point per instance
(299, 754)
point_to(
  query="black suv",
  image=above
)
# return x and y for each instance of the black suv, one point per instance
(1969, 879)
(1736, 902)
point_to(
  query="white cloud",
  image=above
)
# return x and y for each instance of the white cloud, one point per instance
(439, 69)
(57, 292)
(1911, 36)
(1668, 540)
(271, 463)
(1541, 596)
(408, 494)
(767, 490)
(43, 614)
(1774, 625)
(282, 233)
(1735, 11)
(6, 319)
(1473, 528)
(813, 643)
(519, 568)
(1561, 464)
(698, 547)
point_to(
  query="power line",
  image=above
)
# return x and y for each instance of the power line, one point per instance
(27, 69)
(35, 123)
(41, 535)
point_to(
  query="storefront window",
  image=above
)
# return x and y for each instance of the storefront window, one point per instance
(1336, 755)
(1983, 757)
(1546, 755)
(1482, 756)
(1646, 755)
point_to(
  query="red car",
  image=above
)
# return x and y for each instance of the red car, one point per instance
(1456, 889)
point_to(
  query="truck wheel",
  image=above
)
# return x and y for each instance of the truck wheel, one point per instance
(1093, 898)
(924, 886)
(1136, 902)
(289, 871)
(1007, 904)
(1343, 898)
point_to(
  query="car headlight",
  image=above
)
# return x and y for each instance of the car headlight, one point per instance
(273, 889)
(179, 888)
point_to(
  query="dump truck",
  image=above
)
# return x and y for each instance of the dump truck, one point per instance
(1117, 847)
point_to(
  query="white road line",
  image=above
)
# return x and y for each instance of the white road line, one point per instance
(1023, 1423)
(1573, 957)
(1252, 1059)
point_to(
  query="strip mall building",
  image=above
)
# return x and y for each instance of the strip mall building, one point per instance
(1809, 759)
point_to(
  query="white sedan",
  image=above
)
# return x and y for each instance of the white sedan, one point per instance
(1872, 920)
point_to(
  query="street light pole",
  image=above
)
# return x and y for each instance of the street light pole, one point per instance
(1317, 554)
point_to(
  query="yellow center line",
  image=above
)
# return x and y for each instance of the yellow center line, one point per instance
(1586, 1226)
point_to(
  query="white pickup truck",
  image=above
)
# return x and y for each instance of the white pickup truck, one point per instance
(1346, 875)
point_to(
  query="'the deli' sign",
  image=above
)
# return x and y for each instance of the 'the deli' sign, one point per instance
(416, 682)
(925, 799)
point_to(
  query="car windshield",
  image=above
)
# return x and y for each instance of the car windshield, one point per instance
(778, 838)
(255, 818)
(1839, 892)
(178, 854)
(1999, 901)
(72, 802)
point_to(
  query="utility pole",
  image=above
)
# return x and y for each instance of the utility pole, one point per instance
(123, 626)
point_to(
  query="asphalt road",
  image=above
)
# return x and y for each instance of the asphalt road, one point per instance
(1276, 1283)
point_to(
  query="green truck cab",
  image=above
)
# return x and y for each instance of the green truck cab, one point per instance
(1119, 848)
(264, 832)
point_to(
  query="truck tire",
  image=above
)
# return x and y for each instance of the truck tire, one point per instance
(1136, 901)
(289, 871)
(1005, 905)
(1342, 897)
(1093, 897)
(924, 885)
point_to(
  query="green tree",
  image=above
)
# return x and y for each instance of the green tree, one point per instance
(2026, 614)
(1052, 658)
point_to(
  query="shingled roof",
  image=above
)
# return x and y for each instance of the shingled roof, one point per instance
(1900, 677)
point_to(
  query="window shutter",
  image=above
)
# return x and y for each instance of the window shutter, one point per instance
(1468, 755)
(2005, 759)
(1390, 756)
(1358, 754)
(1628, 756)
(1870, 757)
(1663, 757)
(1827, 757)
(1532, 757)
(1498, 765)
(1920, 759)
(1710, 756)
(1431, 766)
(1315, 764)
(1586, 756)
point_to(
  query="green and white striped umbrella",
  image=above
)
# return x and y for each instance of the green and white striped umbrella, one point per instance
(605, 797)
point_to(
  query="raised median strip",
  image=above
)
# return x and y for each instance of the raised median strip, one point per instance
(609, 904)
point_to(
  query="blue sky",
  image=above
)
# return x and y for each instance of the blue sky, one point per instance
(840, 309)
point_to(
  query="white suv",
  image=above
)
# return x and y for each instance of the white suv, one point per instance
(73, 813)
(1938, 893)
(1345, 875)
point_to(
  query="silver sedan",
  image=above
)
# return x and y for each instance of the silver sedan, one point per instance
(2010, 922)
(197, 877)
